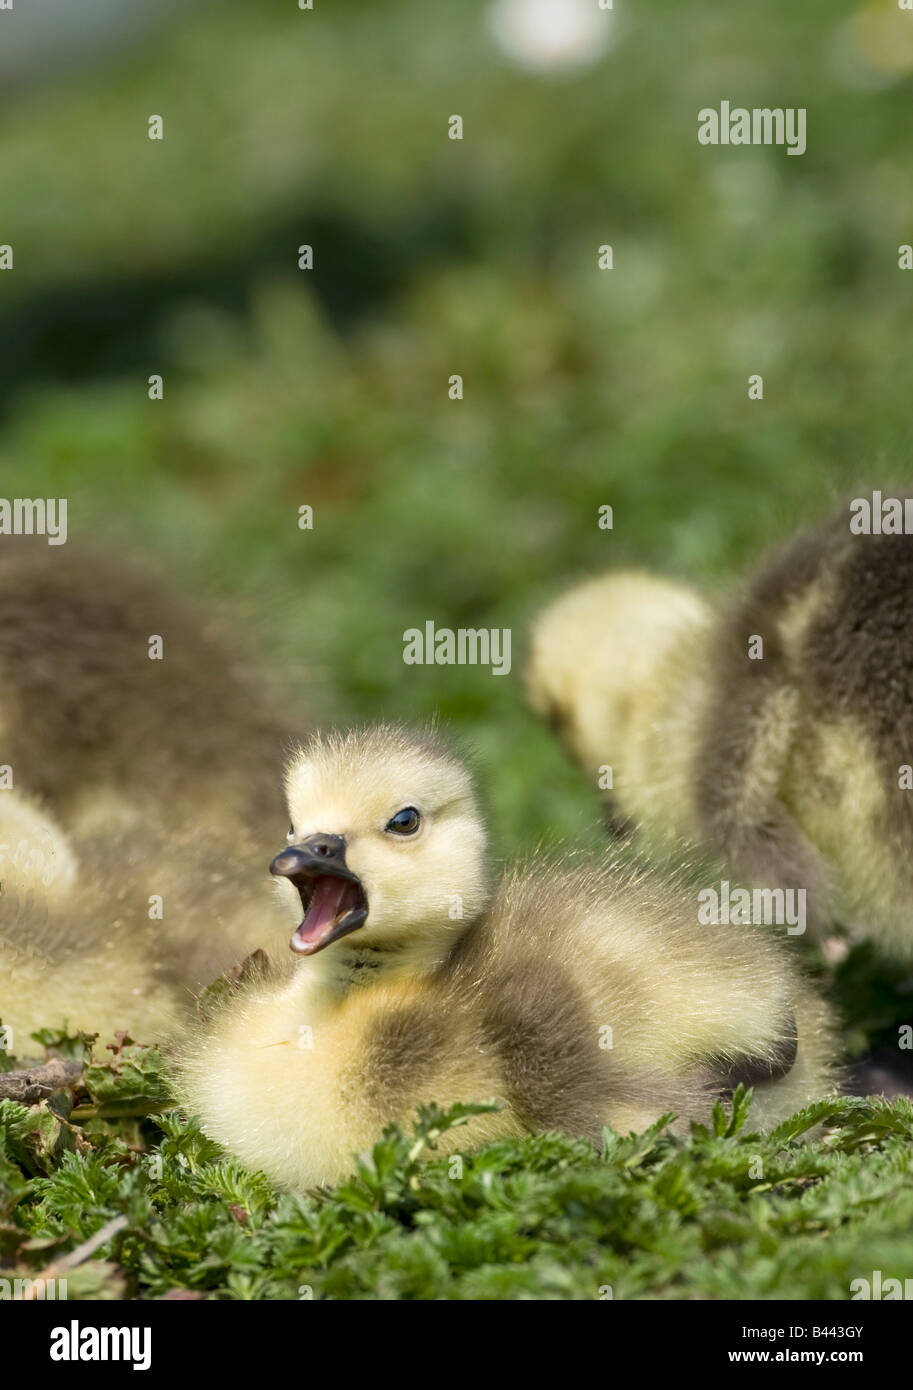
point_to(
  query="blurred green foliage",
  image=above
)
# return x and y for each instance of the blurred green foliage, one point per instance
(433, 256)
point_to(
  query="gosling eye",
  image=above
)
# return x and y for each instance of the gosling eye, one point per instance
(291, 834)
(405, 822)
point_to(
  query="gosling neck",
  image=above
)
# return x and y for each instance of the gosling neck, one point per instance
(348, 966)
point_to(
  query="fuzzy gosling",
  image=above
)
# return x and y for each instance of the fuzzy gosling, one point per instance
(776, 729)
(119, 931)
(579, 994)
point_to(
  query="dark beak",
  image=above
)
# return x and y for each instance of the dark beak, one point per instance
(332, 896)
(319, 854)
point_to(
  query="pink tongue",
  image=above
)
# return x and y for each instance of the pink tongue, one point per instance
(332, 898)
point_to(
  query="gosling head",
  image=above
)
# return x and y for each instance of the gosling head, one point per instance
(595, 650)
(386, 847)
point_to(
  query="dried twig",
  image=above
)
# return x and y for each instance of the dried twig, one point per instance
(65, 1263)
(37, 1083)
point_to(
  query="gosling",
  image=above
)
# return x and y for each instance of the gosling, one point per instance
(116, 933)
(577, 994)
(120, 704)
(775, 731)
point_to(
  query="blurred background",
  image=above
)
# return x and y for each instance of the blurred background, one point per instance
(433, 257)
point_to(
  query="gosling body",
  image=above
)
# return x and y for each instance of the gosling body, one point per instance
(104, 734)
(120, 931)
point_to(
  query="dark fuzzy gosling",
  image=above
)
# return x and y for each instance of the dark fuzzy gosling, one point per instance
(579, 995)
(777, 731)
(107, 737)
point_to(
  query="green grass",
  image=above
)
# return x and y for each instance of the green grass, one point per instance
(582, 387)
(723, 1214)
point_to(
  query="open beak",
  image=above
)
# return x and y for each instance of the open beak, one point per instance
(332, 897)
